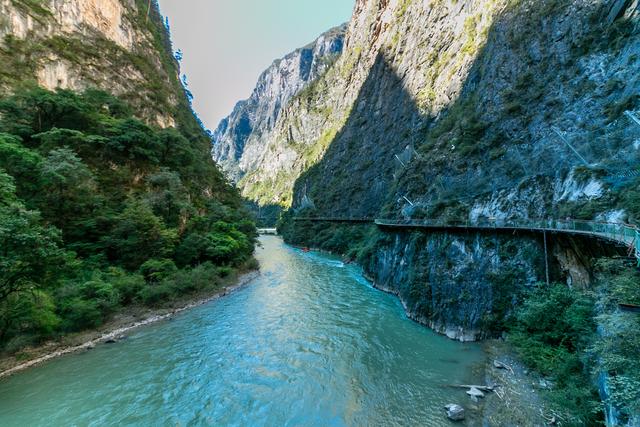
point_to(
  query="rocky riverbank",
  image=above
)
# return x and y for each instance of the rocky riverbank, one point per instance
(516, 399)
(115, 329)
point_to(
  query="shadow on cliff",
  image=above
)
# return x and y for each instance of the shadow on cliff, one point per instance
(354, 175)
(457, 154)
(389, 153)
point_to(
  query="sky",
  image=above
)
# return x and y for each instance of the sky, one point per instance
(227, 44)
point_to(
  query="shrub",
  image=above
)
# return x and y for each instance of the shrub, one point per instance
(155, 295)
(127, 284)
(551, 331)
(154, 270)
(138, 236)
(78, 314)
(204, 276)
(618, 344)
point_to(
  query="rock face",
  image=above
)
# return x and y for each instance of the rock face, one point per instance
(483, 98)
(240, 140)
(460, 111)
(118, 45)
(460, 286)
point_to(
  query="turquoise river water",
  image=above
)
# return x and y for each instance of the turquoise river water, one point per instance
(308, 343)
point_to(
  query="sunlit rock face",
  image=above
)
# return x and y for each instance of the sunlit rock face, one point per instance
(240, 140)
(118, 45)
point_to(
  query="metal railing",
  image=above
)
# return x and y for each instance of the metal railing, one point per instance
(626, 234)
(334, 219)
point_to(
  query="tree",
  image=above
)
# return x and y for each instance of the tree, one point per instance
(176, 152)
(88, 146)
(222, 244)
(39, 110)
(30, 253)
(168, 198)
(27, 313)
(22, 163)
(69, 187)
(138, 236)
(131, 140)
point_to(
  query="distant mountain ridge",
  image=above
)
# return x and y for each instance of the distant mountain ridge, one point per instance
(238, 142)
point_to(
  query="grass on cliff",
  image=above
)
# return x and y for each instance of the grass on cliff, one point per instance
(99, 210)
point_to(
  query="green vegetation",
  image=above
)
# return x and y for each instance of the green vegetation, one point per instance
(99, 210)
(35, 8)
(618, 345)
(604, 36)
(265, 191)
(554, 331)
(353, 241)
(551, 331)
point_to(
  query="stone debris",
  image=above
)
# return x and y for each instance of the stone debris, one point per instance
(500, 365)
(475, 394)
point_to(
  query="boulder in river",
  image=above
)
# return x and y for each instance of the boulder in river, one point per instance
(454, 412)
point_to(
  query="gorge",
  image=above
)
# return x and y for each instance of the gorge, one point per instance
(404, 142)
(471, 111)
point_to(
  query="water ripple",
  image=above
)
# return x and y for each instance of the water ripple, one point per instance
(309, 343)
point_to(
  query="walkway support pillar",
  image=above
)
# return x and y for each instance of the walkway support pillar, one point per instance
(546, 257)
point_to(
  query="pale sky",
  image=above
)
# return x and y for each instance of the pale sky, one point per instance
(228, 43)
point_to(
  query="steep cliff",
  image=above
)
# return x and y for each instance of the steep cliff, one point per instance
(241, 140)
(474, 109)
(118, 45)
(473, 93)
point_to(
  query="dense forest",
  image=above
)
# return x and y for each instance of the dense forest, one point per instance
(99, 210)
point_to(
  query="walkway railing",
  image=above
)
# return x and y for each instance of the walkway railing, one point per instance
(333, 219)
(624, 234)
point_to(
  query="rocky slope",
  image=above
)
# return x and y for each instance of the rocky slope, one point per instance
(118, 45)
(239, 140)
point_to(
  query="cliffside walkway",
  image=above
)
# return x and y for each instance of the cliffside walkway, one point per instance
(334, 219)
(622, 234)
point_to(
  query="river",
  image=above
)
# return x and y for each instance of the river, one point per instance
(307, 343)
